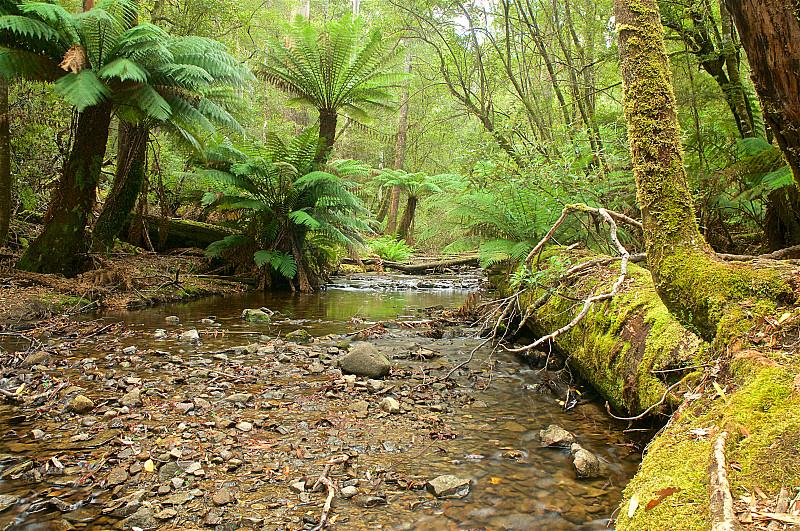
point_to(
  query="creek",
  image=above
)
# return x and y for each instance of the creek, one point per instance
(481, 424)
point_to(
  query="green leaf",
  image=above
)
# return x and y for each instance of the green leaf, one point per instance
(82, 90)
(124, 70)
(220, 246)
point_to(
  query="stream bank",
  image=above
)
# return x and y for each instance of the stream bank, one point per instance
(217, 433)
(640, 358)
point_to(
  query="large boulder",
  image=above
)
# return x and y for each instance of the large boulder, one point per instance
(365, 360)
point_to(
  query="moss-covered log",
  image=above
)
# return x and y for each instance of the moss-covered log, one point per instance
(620, 342)
(184, 233)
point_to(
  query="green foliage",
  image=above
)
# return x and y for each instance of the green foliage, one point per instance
(291, 216)
(390, 248)
(524, 278)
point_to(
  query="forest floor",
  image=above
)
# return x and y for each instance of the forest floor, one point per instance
(118, 281)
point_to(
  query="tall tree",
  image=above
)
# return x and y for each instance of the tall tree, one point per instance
(6, 181)
(770, 34)
(332, 71)
(399, 151)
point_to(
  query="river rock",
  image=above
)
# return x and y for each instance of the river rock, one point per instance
(6, 501)
(166, 514)
(172, 319)
(556, 436)
(244, 426)
(201, 403)
(239, 398)
(80, 404)
(390, 405)
(299, 336)
(132, 398)
(365, 360)
(37, 358)
(222, 497)
(255, 316)
(586, 464)
(168, 470)
(190, 335)
(117, 476)
(348, 492)
(143, 519)
(448, 486)
(374, 386)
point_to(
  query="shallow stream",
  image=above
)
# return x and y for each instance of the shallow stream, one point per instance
(482, 424)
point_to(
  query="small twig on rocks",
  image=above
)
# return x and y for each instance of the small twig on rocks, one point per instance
(648, 410)
(720, 504)
(330, 486)
(226, 375)
(368, 329)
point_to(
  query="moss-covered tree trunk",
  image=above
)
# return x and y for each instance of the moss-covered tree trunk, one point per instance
(5, 165)
(62, 245)
(128, 179)
(770, 33)
(693, 284)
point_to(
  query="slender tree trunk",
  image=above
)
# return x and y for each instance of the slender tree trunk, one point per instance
(770, 33)
(62, 245)
(405, 230)
(327, 135)
(694, 286)
(128, 179)
(5, 165)
(399, 151)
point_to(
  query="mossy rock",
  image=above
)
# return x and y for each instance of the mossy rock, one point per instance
(299, 336)
(255, 316)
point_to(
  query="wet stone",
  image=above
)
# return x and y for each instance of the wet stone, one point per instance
(348, 492)
(132, 398)
(390, 405)
(80, 404)
(179, 498)
(172, 319)
(255, 316)
(166, 514)
(222, 497)
(239, 398)
(168, 471)
(6, 501)
(143, 519)
(190, 335)
(117, 476)
(244, 426)
(359, 406)
(448, 486)
(586, 464)
(556, 436)
(36, 358)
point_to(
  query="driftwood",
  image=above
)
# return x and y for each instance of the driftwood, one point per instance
(430, 267)
(780, 254)
(720, 504)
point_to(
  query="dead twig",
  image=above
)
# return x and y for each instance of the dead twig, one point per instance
(330, 486)
(615, 289)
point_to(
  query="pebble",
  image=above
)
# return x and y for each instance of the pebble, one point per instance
(117, 476)
(348, 492)
(556, 436)
(222, 497)
(390, 405)
(80, 404)
(448, 486)
(132, 398)
(244, 426)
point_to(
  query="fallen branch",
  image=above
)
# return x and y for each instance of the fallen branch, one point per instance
(432, 266)
(780, 254)
(720, 504)
(615, 289)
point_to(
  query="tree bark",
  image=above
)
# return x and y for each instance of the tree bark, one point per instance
(62, 245)
(405, 229)
(693, 284)
(128, 179)
(770, 33)
(5, 165)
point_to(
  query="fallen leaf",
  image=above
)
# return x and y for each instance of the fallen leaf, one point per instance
(720, 391)
(634, 504)
(760, 493)
(494, 481)
(149, 466)
(662, 494)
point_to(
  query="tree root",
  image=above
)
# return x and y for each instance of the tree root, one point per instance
(720, 503)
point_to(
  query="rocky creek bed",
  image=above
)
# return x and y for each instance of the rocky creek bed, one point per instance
(110, 425)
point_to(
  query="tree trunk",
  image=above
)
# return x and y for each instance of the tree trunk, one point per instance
(770, 33)
(128, 179)
(327, 135)
(5, 165)
(399, 151)
(405, 229)
(62, 245)
(694, 285)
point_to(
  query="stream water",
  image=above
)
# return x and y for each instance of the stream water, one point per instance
(483, 424)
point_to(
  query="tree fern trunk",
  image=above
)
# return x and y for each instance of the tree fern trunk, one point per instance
(62, 245)
(404, 230)
(327, 135)
(131, 167)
